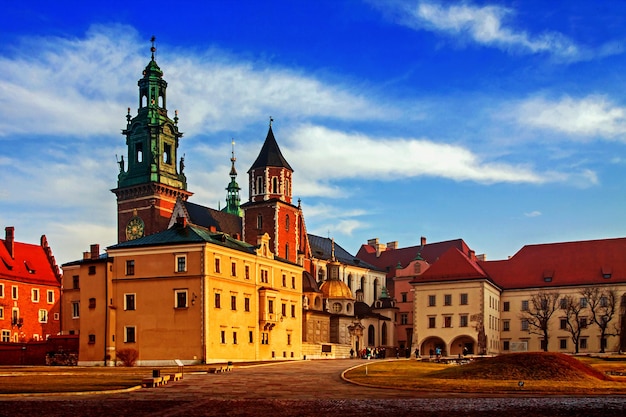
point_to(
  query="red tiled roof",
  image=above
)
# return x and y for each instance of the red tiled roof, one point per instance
(562, 264)
(29, 263)
(392, 257)
(452, 265)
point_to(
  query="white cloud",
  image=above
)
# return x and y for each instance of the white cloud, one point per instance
(333, 155)
(594, 115)
(488, 25)
(534, 213)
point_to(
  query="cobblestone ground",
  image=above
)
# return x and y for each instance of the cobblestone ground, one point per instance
(308, 388)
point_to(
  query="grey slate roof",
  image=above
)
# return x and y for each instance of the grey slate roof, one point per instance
(208, 217)
(321, 248)
(270, 155)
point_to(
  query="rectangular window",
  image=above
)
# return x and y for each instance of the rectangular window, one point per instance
(284, 310)
(234, 338)
(92, 270)
(464, 299)
(265, 338)
(447, 321)
(293, 310)
(250, 336)
(130, 267)
(505, 345)
(293, 282)
(34, 295)
(583, 302)
(447, 299)
(180, 299)
(506, 326)
(233, 302)
(506, 306)
(43, 316)
(524, 325)
(284, 280)
(75, 282)
(431, 322)
(562, 343)
(463, 321)
(247, 271)
(246, 304)
(583, 343)
(129, 301)
(223, 336)
(432, 300)
(404, 318)
(6, 336)
(92, 303)
(404, 297)
(524, 305)
(563, 303)
(217, 265)
(92, 339)
(130, 334)
(50, 297)
(181, 263)
(1, 290)
(14, 292)
(233, 269)
(582, 323)
(75, 309)
(264, 276)
(218, 300)
(563, 324)
(1, 313)
(288, 338)
(270, 306)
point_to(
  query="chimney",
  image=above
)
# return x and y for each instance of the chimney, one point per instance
(392, 245)
(423, 241)
(9, 241)
(95, 251)
(86, 256)
(380, 247)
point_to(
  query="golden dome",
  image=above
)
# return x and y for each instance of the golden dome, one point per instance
(334, 289)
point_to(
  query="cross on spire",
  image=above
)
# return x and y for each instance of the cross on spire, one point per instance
(153, 48)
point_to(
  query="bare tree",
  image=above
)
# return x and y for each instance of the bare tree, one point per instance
(573, 309)
(603, 304)
(541, 308)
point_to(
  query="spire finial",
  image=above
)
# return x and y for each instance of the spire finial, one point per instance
(232, 143)
(271, 120)
(332, 250)
(153, 48)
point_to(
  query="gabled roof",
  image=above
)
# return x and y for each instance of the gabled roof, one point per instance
(207, 217)
(562, 264)
(270, 155)
(321, 248)
(29, 264)
(390, 258)
(179, 234)
(453, 265)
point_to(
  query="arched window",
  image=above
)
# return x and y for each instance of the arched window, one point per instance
(320, 275)
(259, 185)
(286, 250)
(363, 284)
(350, 282)
(383, 335)
(287, 222)
(371, 335)
(376, 289)
(275, 185)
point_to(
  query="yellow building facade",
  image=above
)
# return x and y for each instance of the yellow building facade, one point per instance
(188, 294)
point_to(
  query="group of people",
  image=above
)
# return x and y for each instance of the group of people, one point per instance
(369, 353)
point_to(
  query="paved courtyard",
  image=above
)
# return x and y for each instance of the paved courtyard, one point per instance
(304, 388)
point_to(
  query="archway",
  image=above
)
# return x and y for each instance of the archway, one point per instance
(429, 346)
(463, 345)
(371, 335)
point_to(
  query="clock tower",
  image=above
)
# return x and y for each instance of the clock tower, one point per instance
(151, 178)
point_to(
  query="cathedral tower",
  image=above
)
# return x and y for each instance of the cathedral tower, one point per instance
(148, 187)
(232, 197)
(270, 209)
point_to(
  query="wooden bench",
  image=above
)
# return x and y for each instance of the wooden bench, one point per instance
(165, 379)
(176, 376)
(216, 370)
(152, 382)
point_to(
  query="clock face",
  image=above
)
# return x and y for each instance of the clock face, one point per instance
(134, 228)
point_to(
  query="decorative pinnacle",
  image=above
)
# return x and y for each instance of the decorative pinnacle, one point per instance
(232, 142)
(175, 117)
(153, 48)
(128, 117)
(271, 120)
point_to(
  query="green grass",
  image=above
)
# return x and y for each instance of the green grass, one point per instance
(541, 372)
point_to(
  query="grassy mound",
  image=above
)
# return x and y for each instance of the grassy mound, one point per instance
(523, 366)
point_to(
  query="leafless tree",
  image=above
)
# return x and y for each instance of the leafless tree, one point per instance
(603, 304)
(573, 309)
(541, 308)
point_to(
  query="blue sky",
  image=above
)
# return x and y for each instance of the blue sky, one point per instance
(499, 122)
